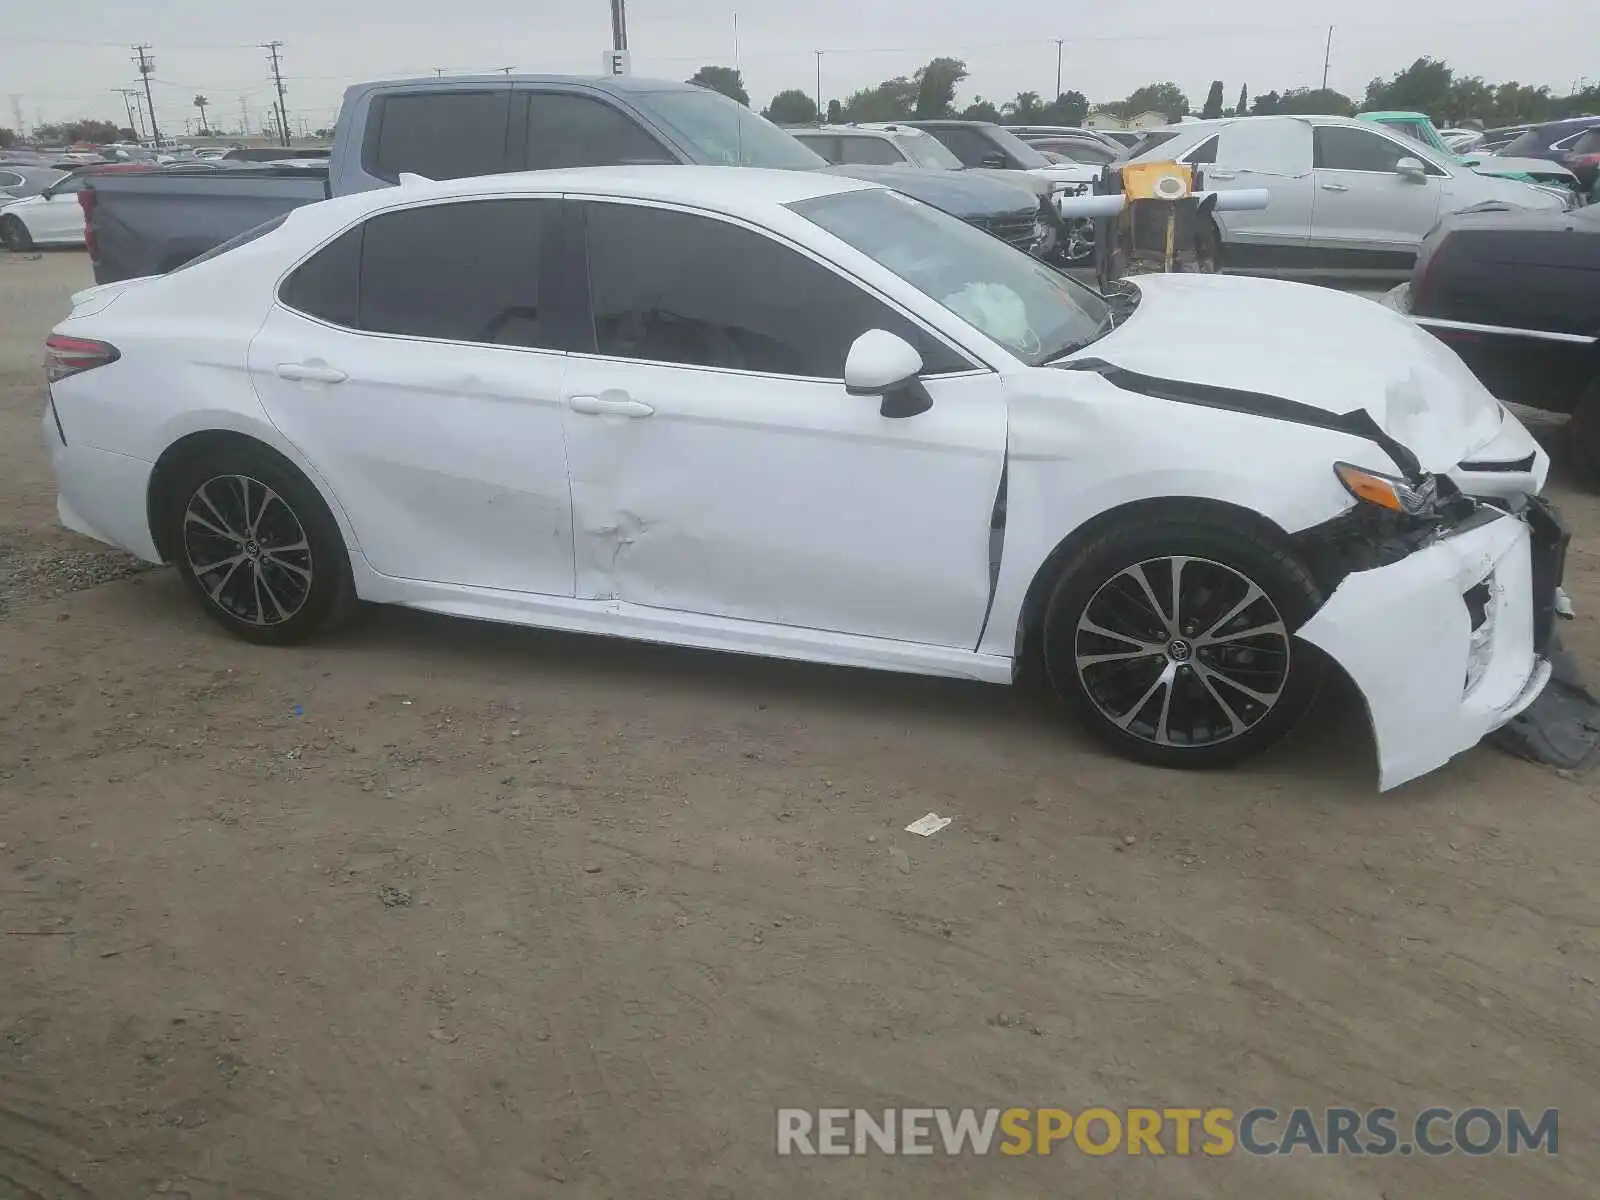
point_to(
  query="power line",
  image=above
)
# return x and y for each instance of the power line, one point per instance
(272, 48)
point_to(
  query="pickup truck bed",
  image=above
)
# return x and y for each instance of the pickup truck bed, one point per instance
(147, 223)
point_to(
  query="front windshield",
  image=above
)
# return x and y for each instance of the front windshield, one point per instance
(1017, 301)
(724, 132)
(1027, 156)
(928, 151)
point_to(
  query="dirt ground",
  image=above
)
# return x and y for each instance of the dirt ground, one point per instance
(441, 909)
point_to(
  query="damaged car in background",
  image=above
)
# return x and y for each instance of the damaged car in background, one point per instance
(797, 415)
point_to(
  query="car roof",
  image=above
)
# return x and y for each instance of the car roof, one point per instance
(1396, 113)
(876, 131)
(951, 124)
(604, 83)
(1569, 123)
(883, 127)
(737, 191)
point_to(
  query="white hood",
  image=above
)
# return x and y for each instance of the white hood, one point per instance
(1313, 345)
(1495, 164)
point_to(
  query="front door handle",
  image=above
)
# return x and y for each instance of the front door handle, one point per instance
(1335, 187)
(615, 404)
(311, 372)
(1213, 173)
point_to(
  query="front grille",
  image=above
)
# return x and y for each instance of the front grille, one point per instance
(1016, 230)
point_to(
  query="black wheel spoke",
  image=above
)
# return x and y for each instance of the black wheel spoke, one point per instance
(1182, 651)
(248, 550)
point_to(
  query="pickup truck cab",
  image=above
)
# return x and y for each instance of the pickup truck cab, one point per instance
(472, 125)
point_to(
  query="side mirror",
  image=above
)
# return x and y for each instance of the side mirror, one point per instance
(881, 364)
(1411, 169)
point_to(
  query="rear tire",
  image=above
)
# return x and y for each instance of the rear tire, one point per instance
(254, 540)
(1217, 681)
(14, 235)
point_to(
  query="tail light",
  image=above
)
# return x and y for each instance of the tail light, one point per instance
(64, 356)
(1420, 280)
(86, 200)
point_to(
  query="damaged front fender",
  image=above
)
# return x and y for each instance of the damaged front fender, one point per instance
(1437, 672)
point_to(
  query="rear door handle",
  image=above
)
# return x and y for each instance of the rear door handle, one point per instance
(1335, 187)
(311, 372)
(615, 404)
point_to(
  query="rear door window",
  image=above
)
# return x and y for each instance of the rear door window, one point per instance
(824, 144)
(565, 130)
(464, 272)
(443, 134)
(970, 146)
(868, 151)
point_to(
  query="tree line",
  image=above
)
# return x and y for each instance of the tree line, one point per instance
(1427, 85)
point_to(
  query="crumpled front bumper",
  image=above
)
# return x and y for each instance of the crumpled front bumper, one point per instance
(1404, 633)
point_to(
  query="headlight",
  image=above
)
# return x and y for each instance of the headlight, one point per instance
(1387, 491)
(1566, 195)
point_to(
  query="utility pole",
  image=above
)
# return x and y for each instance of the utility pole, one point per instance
(127, 95)
(244, 117)
(272, 48)
(1327, 57)
(619, 24)
(1058, 67)
(819, 87)
(736, 43)
(147, 64)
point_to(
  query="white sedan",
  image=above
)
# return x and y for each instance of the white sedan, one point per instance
(798, 415)
(51, 218)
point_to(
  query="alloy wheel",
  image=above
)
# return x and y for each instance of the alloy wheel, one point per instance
(247, 550)
(1182, 652)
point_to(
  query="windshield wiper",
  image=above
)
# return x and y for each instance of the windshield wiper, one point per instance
(1107, 324)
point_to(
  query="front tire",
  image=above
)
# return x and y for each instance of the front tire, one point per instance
(1172, 639)
(256, 543)
(14, 235)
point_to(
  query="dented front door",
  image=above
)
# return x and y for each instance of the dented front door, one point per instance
(783, 500)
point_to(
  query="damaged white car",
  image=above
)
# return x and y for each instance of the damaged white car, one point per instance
(797, 415)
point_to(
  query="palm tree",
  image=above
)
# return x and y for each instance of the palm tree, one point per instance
(1024, 108)
(200, 102)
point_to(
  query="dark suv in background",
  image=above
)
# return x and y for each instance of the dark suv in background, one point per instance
(1574, 143)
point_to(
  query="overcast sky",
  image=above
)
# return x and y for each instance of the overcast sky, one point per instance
(65, 62)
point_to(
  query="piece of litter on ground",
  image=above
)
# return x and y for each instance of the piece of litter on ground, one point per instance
(929, 825)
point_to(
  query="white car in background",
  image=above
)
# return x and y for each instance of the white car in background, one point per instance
(1347, 196)
(794, 414)
(52, 218)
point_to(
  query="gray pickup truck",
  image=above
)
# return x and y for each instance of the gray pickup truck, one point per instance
(147, 224)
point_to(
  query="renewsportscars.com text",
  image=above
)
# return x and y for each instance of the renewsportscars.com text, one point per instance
(1180, 1132)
